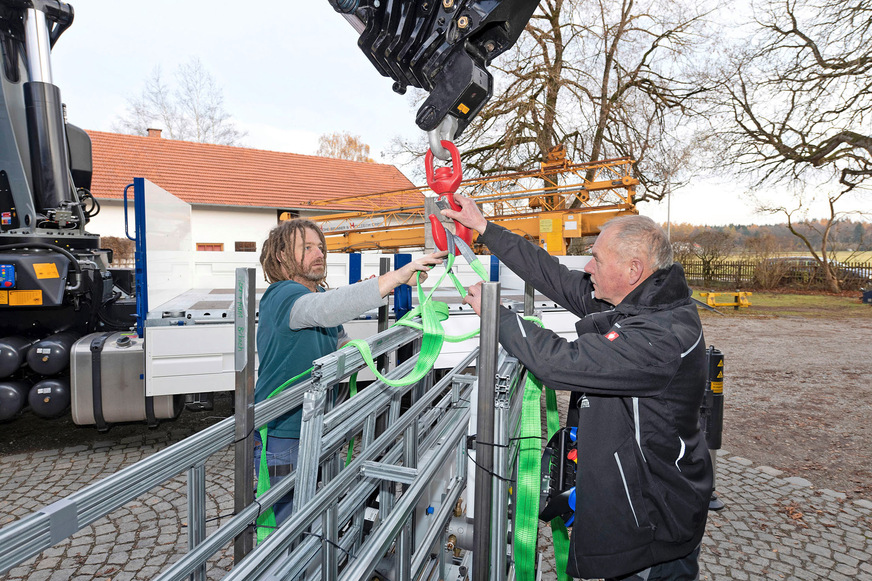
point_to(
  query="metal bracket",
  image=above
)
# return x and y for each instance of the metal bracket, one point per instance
(63, 519)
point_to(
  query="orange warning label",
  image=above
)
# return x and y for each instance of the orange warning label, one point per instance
(463, 108)
(4, 297)
(26, 298)
(46, 270)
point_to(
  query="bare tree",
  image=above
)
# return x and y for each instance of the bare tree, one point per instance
(603, 78)
(799, 98)
(796, 104)
(711, 247)
(191, 111)
(801, 226)
(343, 146)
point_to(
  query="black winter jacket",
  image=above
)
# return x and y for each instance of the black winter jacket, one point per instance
(638, 375)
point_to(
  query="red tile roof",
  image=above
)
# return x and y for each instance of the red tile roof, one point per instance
(201, 173)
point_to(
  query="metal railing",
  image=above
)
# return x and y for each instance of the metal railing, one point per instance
(411, 455)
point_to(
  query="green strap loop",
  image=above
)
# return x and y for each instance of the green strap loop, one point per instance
(529, 485)
(352, 391)
(266, 521)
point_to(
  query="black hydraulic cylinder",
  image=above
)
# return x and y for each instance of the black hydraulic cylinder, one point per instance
(48, 152)
(713, 406)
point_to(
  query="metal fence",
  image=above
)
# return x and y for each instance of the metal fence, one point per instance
(411, 455)
(776, 272)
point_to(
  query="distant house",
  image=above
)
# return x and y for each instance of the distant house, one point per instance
(237, 194)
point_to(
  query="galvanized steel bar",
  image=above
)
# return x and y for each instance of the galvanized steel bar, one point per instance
(197, 514)
(404, 550)
(499, 522)
(362, 567)
(528, 299)
(390, 472)
(243, 483)
(260, 559)
(183, 567)
(384, 267)
(32, 534)
(329, 542)
(310, 444)
(484, 450)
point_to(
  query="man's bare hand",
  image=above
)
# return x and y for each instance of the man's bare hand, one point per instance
(407, 274)
(469, 214)
(473, 298)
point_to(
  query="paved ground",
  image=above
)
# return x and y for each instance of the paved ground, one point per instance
(772, 527)
(779, 528)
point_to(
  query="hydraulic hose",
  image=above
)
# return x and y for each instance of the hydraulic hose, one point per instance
(74, 262)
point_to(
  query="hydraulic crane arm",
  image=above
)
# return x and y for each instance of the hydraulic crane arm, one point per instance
(441, 46)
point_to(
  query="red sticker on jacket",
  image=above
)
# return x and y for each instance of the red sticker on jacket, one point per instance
(612, 336)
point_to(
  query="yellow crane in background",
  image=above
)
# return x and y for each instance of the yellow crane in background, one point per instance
(550, 205)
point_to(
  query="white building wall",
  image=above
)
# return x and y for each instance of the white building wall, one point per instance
(220, 225)
(228, 225)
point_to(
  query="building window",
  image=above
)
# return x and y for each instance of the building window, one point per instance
(246, 247)
(210, 247)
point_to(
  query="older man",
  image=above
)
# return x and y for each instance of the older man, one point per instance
(637, 372)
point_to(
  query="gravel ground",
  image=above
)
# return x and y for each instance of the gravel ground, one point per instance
(797, 395)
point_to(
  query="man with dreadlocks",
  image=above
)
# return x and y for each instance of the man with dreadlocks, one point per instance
(299, 322)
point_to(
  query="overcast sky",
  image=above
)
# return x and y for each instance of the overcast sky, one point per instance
(290, 71)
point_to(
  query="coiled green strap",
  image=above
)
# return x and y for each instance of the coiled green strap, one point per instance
(529, 485)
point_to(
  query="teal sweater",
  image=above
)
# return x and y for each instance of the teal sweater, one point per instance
(283, 352)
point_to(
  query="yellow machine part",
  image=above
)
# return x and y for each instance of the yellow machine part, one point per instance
(552, 206)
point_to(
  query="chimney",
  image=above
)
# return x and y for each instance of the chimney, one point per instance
(153, 132)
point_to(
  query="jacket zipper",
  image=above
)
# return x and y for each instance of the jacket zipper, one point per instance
(626, 488)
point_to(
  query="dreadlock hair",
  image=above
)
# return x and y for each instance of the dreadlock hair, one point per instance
(277, 255)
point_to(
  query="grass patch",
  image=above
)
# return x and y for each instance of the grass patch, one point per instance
(796, 305)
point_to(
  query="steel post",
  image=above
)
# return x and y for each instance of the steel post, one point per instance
(244, 402)
(404, 551)
(529, 291)
(499, 522)
(311, 432)
(381, 362)
(197, 514)
(484, 450)
(330, 538)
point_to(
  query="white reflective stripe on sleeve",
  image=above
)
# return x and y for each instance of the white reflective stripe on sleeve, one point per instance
(521, 326)
(638, 427)
(680, 453)
(698, 339)
(626, 488)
